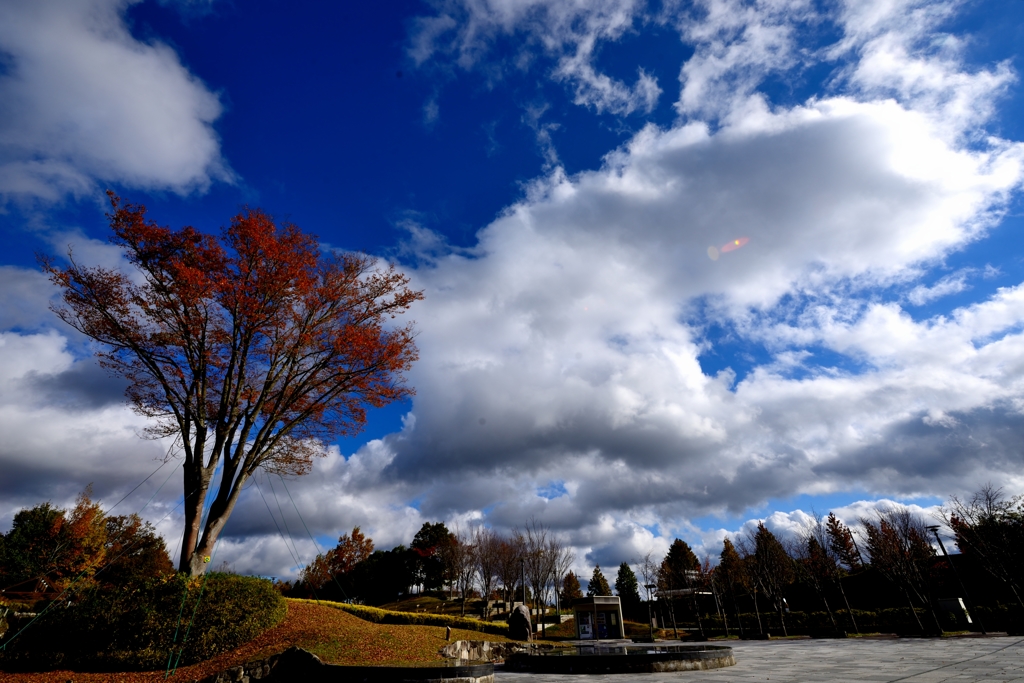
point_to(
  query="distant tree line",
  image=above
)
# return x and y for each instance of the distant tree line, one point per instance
(891, 563)
(528, 562)
(757, 582)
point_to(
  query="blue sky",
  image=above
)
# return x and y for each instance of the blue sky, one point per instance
(553, 174)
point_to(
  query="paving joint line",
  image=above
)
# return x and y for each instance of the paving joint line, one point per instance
(969, 659)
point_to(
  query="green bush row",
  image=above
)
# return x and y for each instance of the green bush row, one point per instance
(145, 628)
(895, 620)
(385, 616)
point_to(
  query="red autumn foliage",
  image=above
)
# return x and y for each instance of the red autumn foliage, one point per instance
(249, 349)
(339, 560)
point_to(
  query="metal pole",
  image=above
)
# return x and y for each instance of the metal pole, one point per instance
(650, 618)
(935, 530)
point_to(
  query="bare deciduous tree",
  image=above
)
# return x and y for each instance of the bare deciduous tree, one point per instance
(897, 542)
(510, 556)
(820, 561)
(488, 562)
(564, 557)
(772, 569)
(990, 529)
(463, 564)
(541, 558)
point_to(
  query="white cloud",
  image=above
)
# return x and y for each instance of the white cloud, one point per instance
(82, 101)
(951, 284)
(902, 52)
(63, 424)
(24, 298)
(565, 345)
(569, 32)
(736, 45)
(560, 375)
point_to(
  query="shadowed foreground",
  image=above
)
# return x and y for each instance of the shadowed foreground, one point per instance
(909, 660)
(332, 634)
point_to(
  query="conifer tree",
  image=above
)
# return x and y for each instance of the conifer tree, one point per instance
(628, 588)
(598, 584)
(570, 589)
(733, 576)
(679, 560)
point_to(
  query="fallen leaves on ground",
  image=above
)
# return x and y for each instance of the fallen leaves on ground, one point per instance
(335, 636)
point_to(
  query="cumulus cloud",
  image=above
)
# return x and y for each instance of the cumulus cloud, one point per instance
(63, 425)
(561, 377)
(83, 101)
(561, 372)
(569, 32)
(566, 346)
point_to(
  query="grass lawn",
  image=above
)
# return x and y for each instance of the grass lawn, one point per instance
(335, 636)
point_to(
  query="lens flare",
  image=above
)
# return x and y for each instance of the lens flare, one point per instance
(734, 245)
(713, 253)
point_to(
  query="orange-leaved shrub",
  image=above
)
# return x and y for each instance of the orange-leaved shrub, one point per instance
(173, 618)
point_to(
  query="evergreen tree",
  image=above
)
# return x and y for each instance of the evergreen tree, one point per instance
(384, 575)
(732, 576)
(674, 568)
(598, 584)
(431, 546)
(570, 590)
(628, 589)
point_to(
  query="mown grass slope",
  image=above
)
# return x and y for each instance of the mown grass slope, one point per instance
(332, 634)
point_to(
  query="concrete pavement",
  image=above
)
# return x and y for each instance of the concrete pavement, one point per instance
(907, 660)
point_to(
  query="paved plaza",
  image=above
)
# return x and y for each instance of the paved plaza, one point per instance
(909, 660)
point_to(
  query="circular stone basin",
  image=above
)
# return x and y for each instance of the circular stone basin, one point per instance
(607, 659)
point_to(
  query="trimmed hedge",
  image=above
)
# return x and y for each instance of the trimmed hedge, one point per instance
(895, 620)
(1008, 618)
(145, 627)
(386, 616)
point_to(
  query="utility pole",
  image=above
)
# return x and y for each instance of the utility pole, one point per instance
(935, 530)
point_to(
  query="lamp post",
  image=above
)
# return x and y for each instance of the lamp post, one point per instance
(935, 530)
(522, 568)
(650, 619)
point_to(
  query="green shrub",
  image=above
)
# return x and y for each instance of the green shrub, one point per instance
(1001, 618)
(385, 616)
(894, 620)
(146, 627)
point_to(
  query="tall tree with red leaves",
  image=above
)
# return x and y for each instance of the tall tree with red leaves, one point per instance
(250, 350)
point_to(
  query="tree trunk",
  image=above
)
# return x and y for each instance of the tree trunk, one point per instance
(1016, 595)
(760, 626)
(914, 611)
(672, 613)
(847, 602)
(196, 485)
(736, 608)
(696, 612)
(935, 616)
(829, 610)
(229, 490)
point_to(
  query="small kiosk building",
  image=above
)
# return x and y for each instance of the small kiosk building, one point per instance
(598, 617)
